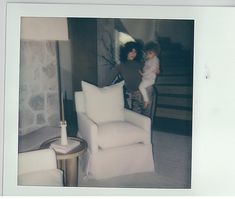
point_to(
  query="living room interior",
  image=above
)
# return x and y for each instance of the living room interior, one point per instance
(89, 51)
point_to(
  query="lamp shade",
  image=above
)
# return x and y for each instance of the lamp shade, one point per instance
(44, 28)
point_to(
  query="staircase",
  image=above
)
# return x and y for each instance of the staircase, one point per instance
(174, 85)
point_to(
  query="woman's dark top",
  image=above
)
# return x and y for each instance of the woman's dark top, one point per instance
(130, 73)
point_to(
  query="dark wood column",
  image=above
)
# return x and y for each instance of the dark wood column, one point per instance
(83, 36)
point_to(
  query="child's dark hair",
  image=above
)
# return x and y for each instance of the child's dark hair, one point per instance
(124, 50)
(152, 46)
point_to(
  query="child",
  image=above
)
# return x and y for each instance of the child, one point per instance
(150, 70)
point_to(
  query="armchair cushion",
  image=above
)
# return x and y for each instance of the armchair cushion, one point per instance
(44, 159)
(115, 134)
(39, 168)
(104, 104)
(52, 177)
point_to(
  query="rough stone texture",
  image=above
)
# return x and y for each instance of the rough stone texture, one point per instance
(23, 93)
(26, 117)
(52, 102)
(53, 109)
(54, 119)
(50, 77)
(38, 77)
(50, 47)
(40, 118)
(37, 102)
(38, 83)
(49, 70)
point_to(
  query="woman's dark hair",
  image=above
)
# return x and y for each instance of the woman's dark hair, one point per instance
(124, 50)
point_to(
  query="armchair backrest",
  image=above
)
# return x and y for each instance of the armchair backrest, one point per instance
(43, 159)
(79, 101)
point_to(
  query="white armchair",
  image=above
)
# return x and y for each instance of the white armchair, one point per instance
(117, 147)
(39, 168)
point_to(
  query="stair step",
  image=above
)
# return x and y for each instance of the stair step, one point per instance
(164, 40)
(174, 60)
(176, 95)
(174, 89)
(174, 80)
(184, 70)
(175, 107)
(172, 46)
(173, 101)
(164, 84)
(174, 113)
(174, 84)
(183, 127)
(175, 53)
(175, 64)
(175, 75)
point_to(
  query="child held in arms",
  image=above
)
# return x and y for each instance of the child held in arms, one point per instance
(150, 70)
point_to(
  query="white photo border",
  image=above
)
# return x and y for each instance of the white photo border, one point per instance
(200, 16)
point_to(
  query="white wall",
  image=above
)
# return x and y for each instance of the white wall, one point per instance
(214, 107)
(2, 77)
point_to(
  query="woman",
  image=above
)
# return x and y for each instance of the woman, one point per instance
(131, 58)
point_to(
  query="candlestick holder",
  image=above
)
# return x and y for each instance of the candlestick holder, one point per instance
(64, 138)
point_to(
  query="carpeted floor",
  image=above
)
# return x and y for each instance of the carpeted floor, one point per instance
(172, 157)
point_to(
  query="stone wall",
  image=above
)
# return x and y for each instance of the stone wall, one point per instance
(39, 102)
(38, 97)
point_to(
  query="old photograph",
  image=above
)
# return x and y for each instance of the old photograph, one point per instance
(105, 102)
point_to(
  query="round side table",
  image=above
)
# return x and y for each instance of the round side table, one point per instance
(68, 162)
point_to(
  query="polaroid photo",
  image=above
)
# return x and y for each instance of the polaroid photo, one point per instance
(105, 99)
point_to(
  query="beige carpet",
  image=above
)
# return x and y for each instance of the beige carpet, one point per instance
(172, 157)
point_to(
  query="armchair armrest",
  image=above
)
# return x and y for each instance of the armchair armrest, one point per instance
(88, 130)
(142, 121)
(44, 159)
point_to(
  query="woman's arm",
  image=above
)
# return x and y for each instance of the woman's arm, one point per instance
(140, 72)
(113, 74)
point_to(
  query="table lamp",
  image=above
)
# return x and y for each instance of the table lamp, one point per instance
(51, 29)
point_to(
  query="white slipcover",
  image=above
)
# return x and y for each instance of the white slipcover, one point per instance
(115, 134)
(110, 100)
(39, 168)
(117, 154)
